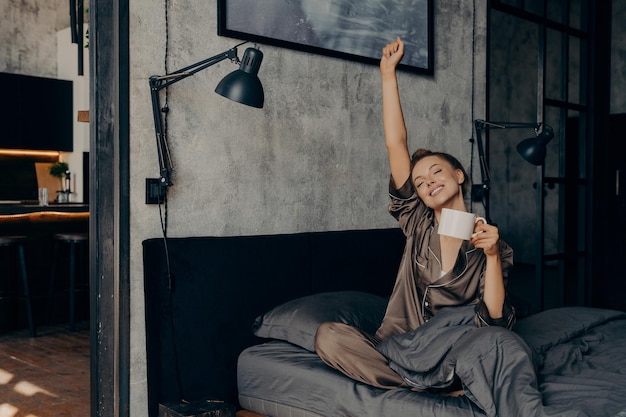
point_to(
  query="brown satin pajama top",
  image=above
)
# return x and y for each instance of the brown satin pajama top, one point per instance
(420, 289)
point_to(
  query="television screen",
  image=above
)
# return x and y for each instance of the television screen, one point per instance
(36, 113)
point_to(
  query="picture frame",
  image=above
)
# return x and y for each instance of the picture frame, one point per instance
(356, 30)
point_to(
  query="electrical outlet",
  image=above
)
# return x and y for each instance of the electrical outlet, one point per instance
(155, 193)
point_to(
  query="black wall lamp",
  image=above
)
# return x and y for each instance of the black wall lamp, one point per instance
(241, 85)
(532, 150)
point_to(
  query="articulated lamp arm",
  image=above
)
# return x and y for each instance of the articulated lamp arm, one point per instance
(158, 83)
(532, 150)
(480, 125)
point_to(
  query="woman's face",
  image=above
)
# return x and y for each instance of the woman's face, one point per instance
(437, 182)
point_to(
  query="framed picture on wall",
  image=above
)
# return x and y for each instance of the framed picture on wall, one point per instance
(348, 29)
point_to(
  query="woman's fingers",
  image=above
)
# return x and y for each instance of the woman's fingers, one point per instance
(486, 237)
(394, 47)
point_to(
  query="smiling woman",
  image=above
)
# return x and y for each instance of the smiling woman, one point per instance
(431, 171)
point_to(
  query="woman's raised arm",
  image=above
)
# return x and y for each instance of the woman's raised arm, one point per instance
(393, 120)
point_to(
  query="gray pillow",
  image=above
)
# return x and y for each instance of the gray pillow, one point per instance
(296, 321)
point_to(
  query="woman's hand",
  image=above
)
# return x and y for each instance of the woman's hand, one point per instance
(392, 54)
(486, 237)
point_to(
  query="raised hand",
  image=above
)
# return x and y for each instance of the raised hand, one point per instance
(392, 54)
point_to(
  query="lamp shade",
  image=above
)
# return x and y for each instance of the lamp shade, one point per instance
(534, 149)
(243, 85)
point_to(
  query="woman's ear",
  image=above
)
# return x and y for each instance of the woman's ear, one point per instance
(460, 176)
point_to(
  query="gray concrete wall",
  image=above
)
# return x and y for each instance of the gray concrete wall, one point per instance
(28, 36)
(312, 159)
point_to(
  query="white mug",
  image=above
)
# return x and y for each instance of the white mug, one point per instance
(458, 224)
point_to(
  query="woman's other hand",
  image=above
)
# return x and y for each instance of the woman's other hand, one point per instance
(392, 54)
(486, 237)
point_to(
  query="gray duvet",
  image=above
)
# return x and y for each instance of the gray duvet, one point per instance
(563, 362)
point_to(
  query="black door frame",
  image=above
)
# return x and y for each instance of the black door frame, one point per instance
(109, 207)
(605, 159)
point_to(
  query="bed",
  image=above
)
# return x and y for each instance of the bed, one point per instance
(201, 305)
(577, 354)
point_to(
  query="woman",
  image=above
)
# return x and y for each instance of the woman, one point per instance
(436, 271)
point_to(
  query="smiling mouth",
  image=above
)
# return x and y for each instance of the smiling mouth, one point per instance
(436, 191)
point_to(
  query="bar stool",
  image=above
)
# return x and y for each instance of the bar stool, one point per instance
(18, 243)
(75, 241)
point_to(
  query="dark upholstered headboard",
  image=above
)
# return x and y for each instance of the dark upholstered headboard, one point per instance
(198, 322)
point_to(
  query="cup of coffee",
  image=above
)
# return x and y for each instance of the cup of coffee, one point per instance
(458, 224)
(43, 196)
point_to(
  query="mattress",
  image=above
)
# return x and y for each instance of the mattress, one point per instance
(279, 379)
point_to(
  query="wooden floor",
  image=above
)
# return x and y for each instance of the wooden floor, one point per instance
(45, 376)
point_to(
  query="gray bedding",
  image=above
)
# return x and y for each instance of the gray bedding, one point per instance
(281, 378)
(579, 354)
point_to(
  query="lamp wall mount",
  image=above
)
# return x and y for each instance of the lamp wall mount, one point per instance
(155, 193)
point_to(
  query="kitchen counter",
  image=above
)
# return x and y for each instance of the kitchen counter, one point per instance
(37, 224)
(10, 208)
